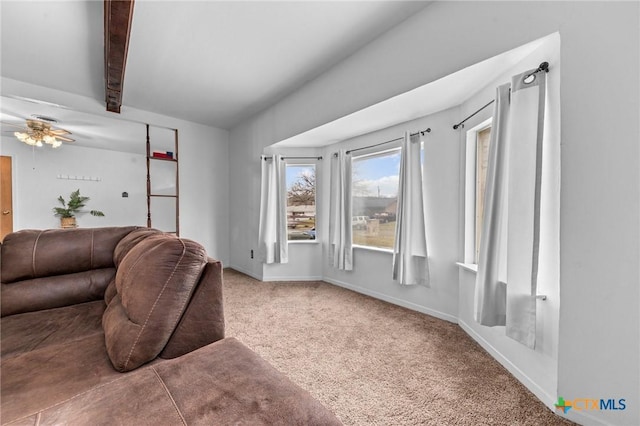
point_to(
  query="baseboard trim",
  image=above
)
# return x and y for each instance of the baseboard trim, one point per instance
(277, 278)
(288, 278)
(547, 399)
(246, 272)
(393, 300)
(513, 369)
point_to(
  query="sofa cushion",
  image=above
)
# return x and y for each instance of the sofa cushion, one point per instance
(29, 253)
(122, 248)
(29, 331)
(224, 383)
(130, 240)
(110, 291)
(42, 269)
(203, 320)
(154, 282)
(241, 388)
(49, 375)
(55, 291)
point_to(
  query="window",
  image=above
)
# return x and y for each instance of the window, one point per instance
(301, 202)
(374, 198)
(475, 183)
(482, 157)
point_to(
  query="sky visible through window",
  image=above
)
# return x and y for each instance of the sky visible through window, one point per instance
(377, 175)
(294, 172)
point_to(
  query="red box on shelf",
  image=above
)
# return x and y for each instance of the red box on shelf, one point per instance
(161, 154)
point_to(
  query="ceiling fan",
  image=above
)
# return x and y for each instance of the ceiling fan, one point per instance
(39, 131)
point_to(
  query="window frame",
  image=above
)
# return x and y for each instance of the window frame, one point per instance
(470, 184)
(304, 163)
(371, 153)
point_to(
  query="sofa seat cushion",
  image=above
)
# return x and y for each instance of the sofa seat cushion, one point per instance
(29, 331)
(49, 375)
(154, 283)
(222, 383)
(241, 388)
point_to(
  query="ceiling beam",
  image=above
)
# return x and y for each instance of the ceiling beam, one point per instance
(117, 28)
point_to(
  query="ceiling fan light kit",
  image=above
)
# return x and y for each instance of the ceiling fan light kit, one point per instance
(36, 139)
(38, 131)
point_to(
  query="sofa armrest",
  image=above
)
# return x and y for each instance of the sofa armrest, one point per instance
(203, 320)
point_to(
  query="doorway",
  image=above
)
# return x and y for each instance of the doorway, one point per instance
(6, 197)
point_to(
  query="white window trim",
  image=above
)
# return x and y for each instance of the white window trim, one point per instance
(376, 153)
(471, 267)
(469, 262)
(373, 248)
(372, 154)
(306, 162)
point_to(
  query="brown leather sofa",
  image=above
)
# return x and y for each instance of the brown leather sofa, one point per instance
(125, 325)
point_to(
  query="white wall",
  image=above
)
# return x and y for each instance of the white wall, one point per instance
(204, 168)
(372, 272)
(36, 186)
(599, 344)
(245, 147)
(599, 331)
(538, 368)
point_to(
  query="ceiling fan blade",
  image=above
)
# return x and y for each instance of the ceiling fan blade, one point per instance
(57, 132)
(20, 126)
(65, 139)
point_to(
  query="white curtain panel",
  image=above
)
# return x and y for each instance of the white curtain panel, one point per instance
(272, 233)
(340, 245)
(506, 282)
(525, 158)
(410, 260)
(490, 295)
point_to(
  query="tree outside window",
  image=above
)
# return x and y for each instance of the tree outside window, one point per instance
(301, 202)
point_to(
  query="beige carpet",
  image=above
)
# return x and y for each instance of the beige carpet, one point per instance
(373, 363)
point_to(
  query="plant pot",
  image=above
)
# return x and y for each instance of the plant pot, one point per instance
(68, 222)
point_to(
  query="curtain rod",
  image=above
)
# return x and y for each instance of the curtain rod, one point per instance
(262, 157)
(421, 132)
(543, 67)
(461, 124)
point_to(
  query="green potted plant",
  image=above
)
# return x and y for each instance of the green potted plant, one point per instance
(72, 207)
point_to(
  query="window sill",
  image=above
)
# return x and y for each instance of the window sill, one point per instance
(370, 248)
(303, 241)
(472, 267)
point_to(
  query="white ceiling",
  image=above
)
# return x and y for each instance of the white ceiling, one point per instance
(87, 130)
(439, 95)
(212, 62)
(215, 62)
